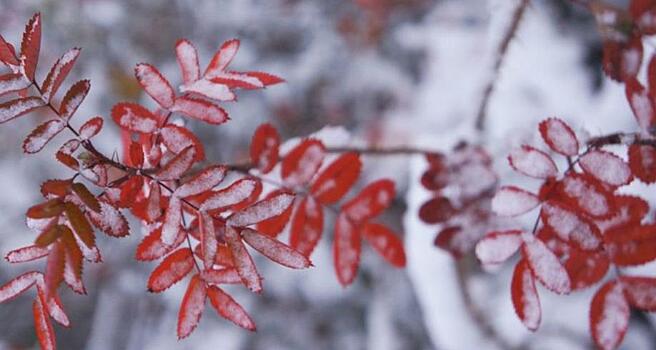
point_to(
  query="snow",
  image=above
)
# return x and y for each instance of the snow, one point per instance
(155, 85)
(200, 109)
(532, 162)
(559, 137)
(91, 128)
(13, 82)
(614, 318)
(16, 108)
(172, 218)
(187, 57)
(222, 58)
(513, 201)
(58, 73)
(204, 181)
(221, 276)
(204, 87)
(233, 194)
(586, 196)
(606, 167)
(546, 266)
(527, 302)
(262, 210)
(242, 261)
(497, 247)
(570, 227)
(275, 250)
(73, 99)
(42, 135)
(134, 118)
(25, 254)
(18, 285)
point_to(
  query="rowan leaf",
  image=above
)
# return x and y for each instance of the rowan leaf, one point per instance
(229, 309)
(532, 162)
(192, 307)
(154, 83)
(337, 178)
(525, 297)
(7, 53)
(221, 276)
(570, 226)
(88, 198)
(242, 261)
(58, 74)
(307, 226)
(44, 331)
(31, 45)
(171, 270)
(42, 134)
(74, 98)
(609, 316)
(265, 146)
(371, 201)
(13, 82)
(262, 210)
(631, 245)
(222, 58)
(133, 117)
(497, 246)
(606, 167)
(385, 242)
(172, 218)
(18, 107)
(177, 138)
(80, 224)
(273, 226)
(586, 194)
(239, 193)
(546, 266)
(91, 128)
(178, 165)
(109, 220)
(48, 209)
(26, 254)
(346, 250)
(642, 161)
(200, 109)
(641, 104)
(559, 137)
(275, 250)
(187, 57)
(18, 285)
(513, 201)
(640, 292)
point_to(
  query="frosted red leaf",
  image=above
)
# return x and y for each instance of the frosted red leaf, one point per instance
(642, 161)
(386, 243)
(154, 83)
(42, 134)
(171, 224)
(178, 165)
(73, 98)
(130, 189)
(202, 182)
(222, 58)
(177, 138)
(234, 80)
(201, 110)
(513, 201)
(83, 194)
(221, 276)
(109, 220)
(7, 53)
(609, 316)
(606, 167)
(171, 270)
(532, 162)
(80, 224)
(238, 192)
(44, 331)
(208, 241)
(58, 73)
(631, 245)
(13, 82)
(209, 89)
(559, 136)
(307, 226)
(587, 194)
(640, 292)
(641, 104)
(265, 147)
(31, 45)
(152, 247)
(229, 309)
(346, 250)
(265, 78)
(91, 128)
(570, 226)
(545, 265)
(192, 307)
(133, 117)
(630, 211)
(275, 250)
(136, 154)
(187, 57)
(302, 162)
(16, 108)
(371, 201)
(18, 285)
(262, 210)
(273, 226)
(496, 247)
(26, 254)
(336, 179)
(525, 297)
(243, 261)
(48, 209)
(73, 262)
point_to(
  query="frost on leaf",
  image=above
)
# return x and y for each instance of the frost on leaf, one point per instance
(307, 226)
(172, 218)
(336, 179)
(570, 226)
(41, 135)
(177, 166)
(525, 296)
(209, 90)
(152, 247)
(18, 285)
(262, 210)
(109, 220)
(559, 137)
(302, 162)
(177, 138)
(155, 84)
(229, 309)
(74, 98)
(631, 245)
(513, 201)
(31, 45)
(201, 110)
(546, 266)
(91, 128)
(222, 58)
(497, 247)
(243, 261)
(385, 242)
(44, 331)
(606, 167)
(640, 292)
(16, 108)
(7, 53)
(587, 194)
(172, 269)
(642, 161)
(26, 254)
(265, 147)
(609, 316)
(192, 307)
(187, 57)
(208, 241)
(273, 226)
(221, 276)
(237, 193)
(642, 105)
(58, 73)
(371, 201)
(275, 250)
(346, 250)
(202, 182)
(532, 162)
(12, 83)
(133, 117)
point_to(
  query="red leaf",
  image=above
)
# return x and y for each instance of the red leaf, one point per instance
(275, 250)
(265, 147)
(171, 225)
(302, 162)
(449, 239)
(273, 226)
(235, 80)
(265, 78)
(192, 307)
(42, 134)
(202, 182)
(641, 104)
(371, 201)
(229, 309)
(208, 239)
(513, 201)
(187, 57)
(48, 209)
(210, 90)
(172, 269)
(436, 210)
(133, 117)
(136, 154)
(109, 220)
(559, 136)
(177, 138)
(7, 53)
(385, 242)
(532, 162)
(18, 285)
(26, 254)
(222, 58)
(44, 331)
(31, 45)
(221, 276)
(201, 110)
(346, 250)
(12, 83)
(243, 261)
(307, 226)
(239, 193)
(640, 292)
(73, 98)
(16, 108)
(152, 247)
(630, 211)
(177, 166)
(606, 167)
(570, 226)
(642, 161)
(643, 12)
(525, 297)
(337, 178)
(262, 210)
(73, 261)
(58, 73)
(609, 316)
(80, 224)
(586, 194)
(91, 128)
(546, 266)
(155, 84)
(496, 247)
(632, 245)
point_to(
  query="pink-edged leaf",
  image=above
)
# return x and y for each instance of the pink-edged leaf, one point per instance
(571, 227)
(243, 261)
(606, 167)
(26, 254)
(16, 108)
(559, 137)
(56, 310)
(265, 146)
(609, 316)
(513, 201)
(155, 84)
(187, 57)
(18, 285)
(171, 225)
(208, 241)
(302, 162)
(346, 250)
(31, 45)
(584, 192)
(12, 83)
(229, 309)
(134, 117)
(496, 247)
(58, 73)
(74, 98)
(221, 276)
(42, 134)
(191, 309)
(210, 89)
(265, 78)
(177, 138)
(371, 201)
(337, 178)
(525, 296)
(275, 250)
(235, 80)
(238, 192)
(172, 269)
(222, 58)
(532, 162)
(641, 104)
(202, 182)
(262, 210)
(546, 266)
(91, 128)
(7, 53)
(640, 292)
(386, 243)
(307, 226)
(44, 331)
(201, 110)
(178, 165)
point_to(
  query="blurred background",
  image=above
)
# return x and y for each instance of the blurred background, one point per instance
(379, 73)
